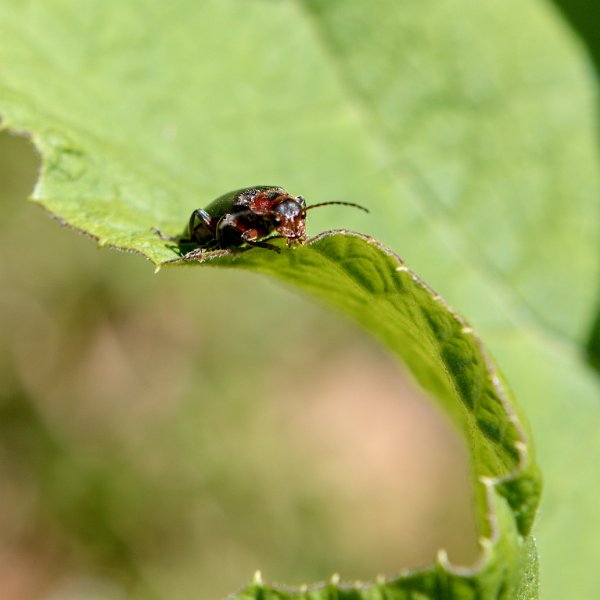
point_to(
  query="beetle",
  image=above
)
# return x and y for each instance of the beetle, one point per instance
(250, 216)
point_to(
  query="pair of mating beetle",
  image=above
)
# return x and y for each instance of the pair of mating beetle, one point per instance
(249, 216)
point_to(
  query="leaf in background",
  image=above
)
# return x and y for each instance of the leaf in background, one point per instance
(466, 126)
(584, 18)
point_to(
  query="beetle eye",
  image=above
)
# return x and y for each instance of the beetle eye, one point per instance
(290, 209)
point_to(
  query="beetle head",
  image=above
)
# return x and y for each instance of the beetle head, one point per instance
(289, 219)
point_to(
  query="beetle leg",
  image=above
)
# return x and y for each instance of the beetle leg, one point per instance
(227, 230)
(199, 215)
(162, 236)
(250, 236)
(265, 245)
(177, 246)
(200, 226)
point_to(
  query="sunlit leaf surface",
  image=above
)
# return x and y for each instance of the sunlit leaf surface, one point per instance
(471, 139)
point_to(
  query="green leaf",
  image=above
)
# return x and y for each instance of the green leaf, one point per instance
(365, 280)
(466, 126)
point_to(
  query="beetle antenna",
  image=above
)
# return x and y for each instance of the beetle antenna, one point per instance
(337, 202)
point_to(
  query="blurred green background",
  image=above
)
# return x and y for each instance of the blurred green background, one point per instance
(584, 18)
(167, 435)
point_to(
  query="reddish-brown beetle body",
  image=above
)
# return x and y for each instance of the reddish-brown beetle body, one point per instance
(249, 216)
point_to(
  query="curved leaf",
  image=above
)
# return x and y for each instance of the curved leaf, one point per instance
(369, 283)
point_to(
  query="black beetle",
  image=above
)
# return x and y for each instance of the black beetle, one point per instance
(250, 216)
